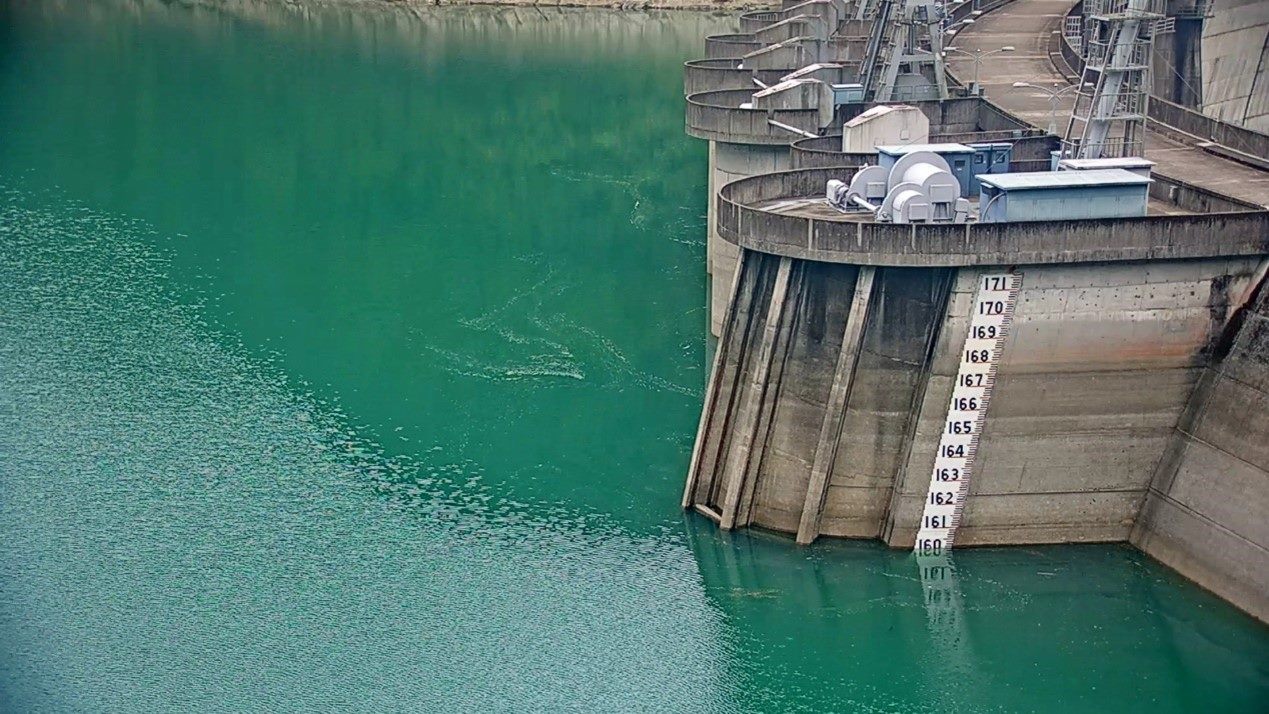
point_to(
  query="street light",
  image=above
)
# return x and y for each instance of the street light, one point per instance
(1054, 96)
(977, 56)
(956, 27)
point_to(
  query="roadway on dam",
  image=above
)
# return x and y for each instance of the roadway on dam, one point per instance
(1029, 26)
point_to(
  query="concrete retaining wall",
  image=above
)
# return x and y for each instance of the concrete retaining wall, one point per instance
(1205, 127)
(1235, 51)
(832, 384)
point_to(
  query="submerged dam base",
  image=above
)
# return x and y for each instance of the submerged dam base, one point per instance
(1131, 395)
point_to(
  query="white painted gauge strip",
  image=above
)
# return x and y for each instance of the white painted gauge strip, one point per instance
(989, 325)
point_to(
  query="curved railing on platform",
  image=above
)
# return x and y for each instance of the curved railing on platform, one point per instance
(825, 151)
(1235, 229)
(720, 74)
(718, 116)
(1030, 153)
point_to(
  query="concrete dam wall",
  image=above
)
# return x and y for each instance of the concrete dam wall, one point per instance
(832, 380)
(1235, 63)
(1205, 510)
(1136, 348)
(1128, 388)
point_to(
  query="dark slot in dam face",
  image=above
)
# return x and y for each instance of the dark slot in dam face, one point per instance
(350, 358)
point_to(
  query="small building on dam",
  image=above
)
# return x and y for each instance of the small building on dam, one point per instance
(942, 298)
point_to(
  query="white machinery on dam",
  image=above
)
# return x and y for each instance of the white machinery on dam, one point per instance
(917, 188)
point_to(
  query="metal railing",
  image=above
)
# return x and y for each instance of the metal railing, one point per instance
(1101, 52)
(1124, 9)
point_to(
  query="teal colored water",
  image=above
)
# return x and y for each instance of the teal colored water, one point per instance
(351, 359)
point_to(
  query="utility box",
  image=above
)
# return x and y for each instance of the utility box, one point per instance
(1062, 195)
(895, 124)
(989, 159)
(959, 158)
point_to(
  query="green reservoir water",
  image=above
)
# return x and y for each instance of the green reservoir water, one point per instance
(351, 359)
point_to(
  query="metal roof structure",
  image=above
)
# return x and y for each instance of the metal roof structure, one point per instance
(1127, 162)
(1063, 179)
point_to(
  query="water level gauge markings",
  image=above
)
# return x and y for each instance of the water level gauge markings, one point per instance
(989, 325)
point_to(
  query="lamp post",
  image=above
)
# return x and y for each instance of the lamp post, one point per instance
(956, 27)
(1054, 95)
(977, 56)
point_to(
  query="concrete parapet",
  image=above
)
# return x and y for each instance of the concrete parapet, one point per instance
(797, 26)
(712, 75)
(743, 219)
(721, 74)
(758, 19)
(1029, 153)
(796, 51)
(1204, 127)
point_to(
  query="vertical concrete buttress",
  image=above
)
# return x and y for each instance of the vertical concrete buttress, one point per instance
(754, 408)
(728, 162)
(809, 399)
(831, 426)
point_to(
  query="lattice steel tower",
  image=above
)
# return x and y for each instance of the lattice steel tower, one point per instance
(904, 58)
(1109, 116)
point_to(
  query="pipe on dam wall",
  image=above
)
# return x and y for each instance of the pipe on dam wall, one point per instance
(830, 387)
